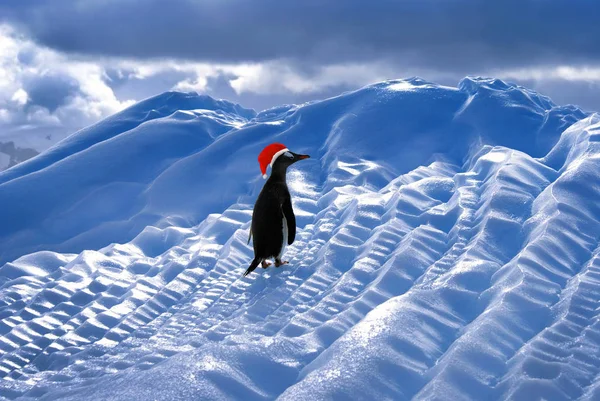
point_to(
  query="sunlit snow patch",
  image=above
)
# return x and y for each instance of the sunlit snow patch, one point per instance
(402, 86)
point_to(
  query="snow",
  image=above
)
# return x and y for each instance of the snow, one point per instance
(447, 248)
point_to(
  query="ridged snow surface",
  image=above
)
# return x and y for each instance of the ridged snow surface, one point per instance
(447, 249)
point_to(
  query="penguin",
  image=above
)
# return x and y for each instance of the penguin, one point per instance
(273, 220)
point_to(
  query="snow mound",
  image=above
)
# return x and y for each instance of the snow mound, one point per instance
(176, 158)
(447, 248)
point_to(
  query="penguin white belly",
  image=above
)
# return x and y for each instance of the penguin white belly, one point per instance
(285, 238)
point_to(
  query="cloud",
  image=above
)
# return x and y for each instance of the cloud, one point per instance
(567, 73)
(268, 78)
(279, 77)
(50, 90)
(20, 97)
(68, 63)
(42, 92)
(454, 35)
(48, 94)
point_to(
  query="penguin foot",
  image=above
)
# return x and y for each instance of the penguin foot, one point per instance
(279, 263)
(265, 264)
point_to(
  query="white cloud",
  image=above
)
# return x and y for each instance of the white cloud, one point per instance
(567, 73)
(4, 116)
(20, 97)
(24, 64)
(281, 78)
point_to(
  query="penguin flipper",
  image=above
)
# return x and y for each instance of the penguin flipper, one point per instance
(252, 266)
(249, 236)
(290, 218)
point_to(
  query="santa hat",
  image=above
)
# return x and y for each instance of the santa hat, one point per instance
(268, 156)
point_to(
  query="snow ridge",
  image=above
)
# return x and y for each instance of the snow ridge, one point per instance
(472, 276)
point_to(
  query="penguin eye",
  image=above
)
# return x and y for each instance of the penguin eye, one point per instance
(289, 155)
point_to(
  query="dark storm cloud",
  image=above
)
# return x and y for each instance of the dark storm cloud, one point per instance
(448, 34)
(50, 91)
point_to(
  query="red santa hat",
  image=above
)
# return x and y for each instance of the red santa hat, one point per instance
(268, 156)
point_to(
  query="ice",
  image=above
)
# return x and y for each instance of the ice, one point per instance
(447, 248)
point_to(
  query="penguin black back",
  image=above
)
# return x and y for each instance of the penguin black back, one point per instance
(273, 220)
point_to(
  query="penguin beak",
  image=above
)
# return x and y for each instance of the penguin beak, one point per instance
(302, 157)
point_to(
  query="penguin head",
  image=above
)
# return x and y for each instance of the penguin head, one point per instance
(278, 157)
(288, 158)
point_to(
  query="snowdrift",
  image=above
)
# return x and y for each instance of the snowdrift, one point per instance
(448, 248)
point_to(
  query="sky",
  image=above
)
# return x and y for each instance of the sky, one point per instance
(65, 64)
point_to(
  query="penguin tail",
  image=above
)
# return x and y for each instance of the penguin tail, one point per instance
(253, 266)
